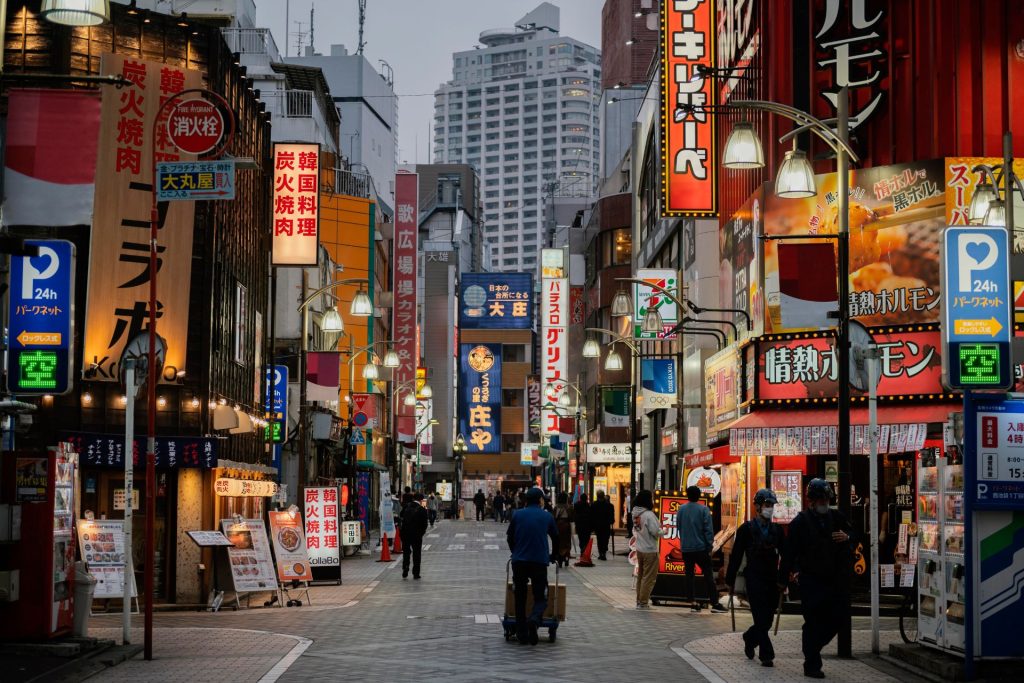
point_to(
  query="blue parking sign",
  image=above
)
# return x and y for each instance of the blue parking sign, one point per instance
(42, 319)
(277, 403)
(977, 307)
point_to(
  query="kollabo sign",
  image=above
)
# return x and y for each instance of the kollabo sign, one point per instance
(977, 307)
(689, 152)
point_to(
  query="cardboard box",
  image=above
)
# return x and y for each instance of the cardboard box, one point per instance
(556, 598)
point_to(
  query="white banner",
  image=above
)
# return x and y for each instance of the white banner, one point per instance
(554, 349)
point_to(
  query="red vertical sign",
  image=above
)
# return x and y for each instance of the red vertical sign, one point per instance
(689, 152)
(403, 323)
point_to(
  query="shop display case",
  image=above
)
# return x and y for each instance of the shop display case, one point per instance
(941, 572)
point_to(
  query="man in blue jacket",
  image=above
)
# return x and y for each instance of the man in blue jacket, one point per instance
(696, 538)
(527, 536)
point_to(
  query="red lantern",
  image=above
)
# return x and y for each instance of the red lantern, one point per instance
(344, 495)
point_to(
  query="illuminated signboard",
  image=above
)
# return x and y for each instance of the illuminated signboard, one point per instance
(480, 404)
(296, 204)
(645, 297)
(42, 317)
(554, 349)
(496, 301)
(277, 403)
(689, 152)
(977, 307)
(403, 312)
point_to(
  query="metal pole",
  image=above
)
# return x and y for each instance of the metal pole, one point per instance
(150, 549)
(1008, 183)
(871, 356)
(843, 341)
(129, 475)
(632, 430)
(303, 350)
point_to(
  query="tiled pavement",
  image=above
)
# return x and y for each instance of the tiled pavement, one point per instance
(444, 627)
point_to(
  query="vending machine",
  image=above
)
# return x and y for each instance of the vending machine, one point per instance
(44, 487)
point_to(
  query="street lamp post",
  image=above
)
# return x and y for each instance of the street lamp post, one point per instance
(459, 449)
(410, 400)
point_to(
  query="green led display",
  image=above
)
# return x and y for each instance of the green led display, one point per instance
(37, 370)
(979, 364)
(274, 432)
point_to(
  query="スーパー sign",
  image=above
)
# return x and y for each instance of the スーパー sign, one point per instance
(296, 204)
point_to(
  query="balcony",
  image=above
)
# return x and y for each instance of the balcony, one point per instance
(298, 115)
(353, 184)
(252, 41)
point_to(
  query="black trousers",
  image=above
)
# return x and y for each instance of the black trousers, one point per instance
(413, 547)
(763, 597)
(479, 513)
(582, 535)
(602, 541)
(523, 574)
(823, 607)
(700, 559)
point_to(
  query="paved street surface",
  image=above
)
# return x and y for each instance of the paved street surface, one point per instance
(444, 627)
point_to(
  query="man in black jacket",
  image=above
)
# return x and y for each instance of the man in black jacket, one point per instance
(603, 514)
(819, 551)
(414, 525)
(479, 500)
(583, 517)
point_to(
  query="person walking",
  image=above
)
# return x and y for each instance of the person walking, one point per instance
(647, 530)
(414, 525)
(603, 516)
(479, 500)
(499, 507)
(527, 537)
(696, 538)
(819, 552)
(760, 542)
(432, 504)
(563, 523)
(583, 518)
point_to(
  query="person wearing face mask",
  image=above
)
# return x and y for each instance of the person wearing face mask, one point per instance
(819, 553)
(759, 540)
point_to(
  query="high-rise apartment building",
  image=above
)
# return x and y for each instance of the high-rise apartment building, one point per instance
(523, 108)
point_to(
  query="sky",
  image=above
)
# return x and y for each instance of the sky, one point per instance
(417, 38)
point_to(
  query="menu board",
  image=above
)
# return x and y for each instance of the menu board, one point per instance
(102, 544)
(208, 539)
(289, 546)
(786, 485)
(252, 568)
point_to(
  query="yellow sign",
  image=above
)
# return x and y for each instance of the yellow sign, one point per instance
(989, 327)
(39, 338)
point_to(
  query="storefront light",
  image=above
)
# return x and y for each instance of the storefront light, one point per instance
(795, 179)
(425, 391)
(622, 305)
(332, 322)
(743, 148)
(76, 12)
(996, 214)
(591, 349)
(361, 305)
(984, 195)
(613, 362)
(652, 322)
(410, 399)
(371, 371)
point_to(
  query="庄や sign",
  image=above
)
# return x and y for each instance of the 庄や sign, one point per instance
(977, 307)
(480, 406)
(689, 152)
(42, 319)
(296, 212)
(178, 180)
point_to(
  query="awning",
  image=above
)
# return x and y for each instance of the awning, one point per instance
(715, 456)
(901, 429)
(888, 414)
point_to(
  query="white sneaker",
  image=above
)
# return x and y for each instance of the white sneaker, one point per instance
(642, 605)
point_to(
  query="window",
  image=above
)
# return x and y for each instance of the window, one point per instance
(510, 398)
(511, 443)
(514, 353)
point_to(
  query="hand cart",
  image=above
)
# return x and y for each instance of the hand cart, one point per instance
(550, 622)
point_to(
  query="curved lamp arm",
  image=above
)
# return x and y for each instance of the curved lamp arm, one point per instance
(804, 120)
(332, 285)
(616, 337)
(353, 354)
(689, 304)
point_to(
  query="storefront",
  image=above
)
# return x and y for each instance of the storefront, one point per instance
(609, 463)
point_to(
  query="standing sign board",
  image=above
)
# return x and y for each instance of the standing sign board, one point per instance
(200, 180)
(977, 307)
(670, 584)
(102, 544)
(286, 533)
(252, 567)
(41, 319)
(322, 532)
(999, 454)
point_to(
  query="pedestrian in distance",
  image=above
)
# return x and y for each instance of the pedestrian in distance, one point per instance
(696, 538)
(648, 532)
(563, 522)
(760, 542)
(479, 501)
(527, 537)
(627, 516)
(414, 525)
(818, 554)
(499, 506)
(583, 518)
(603, 515)
(489, 506)
(432, 505)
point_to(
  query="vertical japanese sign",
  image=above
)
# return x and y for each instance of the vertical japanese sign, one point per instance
(554, 348)
(689, 149)
(496, 301)
(403, 323)
(42, 319)
(722, 386)
(646, 298)
(533, 403)
(117, 306)
(480, 408)
(296, 212)
(322, 531)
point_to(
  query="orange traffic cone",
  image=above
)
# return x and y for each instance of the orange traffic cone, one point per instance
(396, 547)
(385, 551)
(585, 555)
